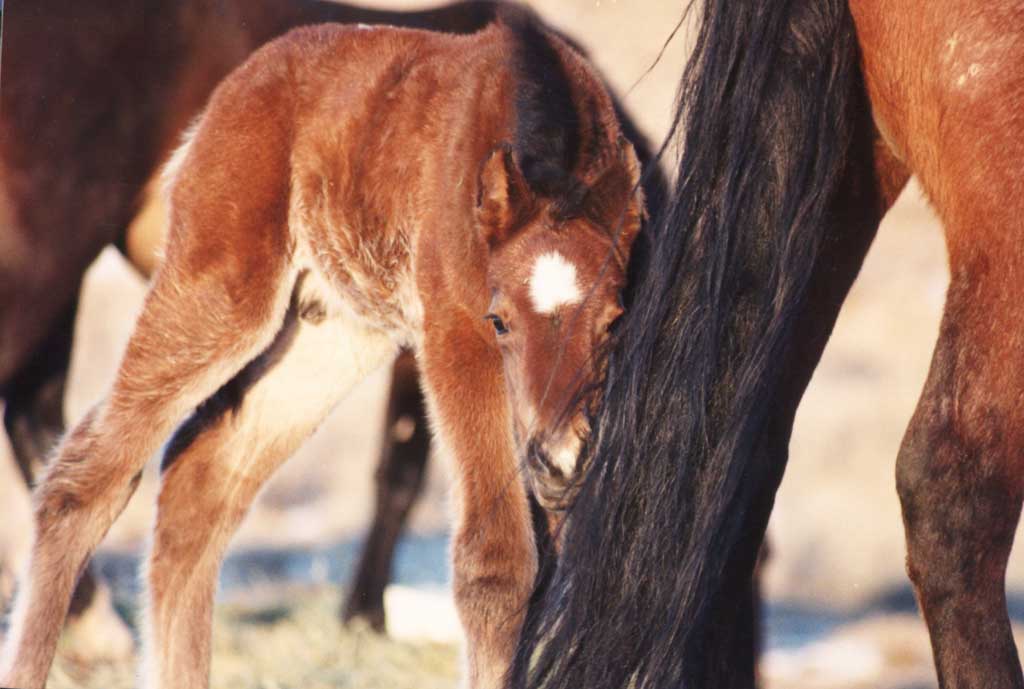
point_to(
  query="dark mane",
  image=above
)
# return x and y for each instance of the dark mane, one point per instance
(547, 136)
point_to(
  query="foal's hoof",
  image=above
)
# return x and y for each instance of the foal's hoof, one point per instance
(98, 634)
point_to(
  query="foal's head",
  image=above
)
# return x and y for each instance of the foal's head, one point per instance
(556, 271)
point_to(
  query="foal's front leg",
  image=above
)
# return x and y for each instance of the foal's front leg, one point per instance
(495, 560)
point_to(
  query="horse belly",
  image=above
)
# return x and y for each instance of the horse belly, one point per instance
(369, 276)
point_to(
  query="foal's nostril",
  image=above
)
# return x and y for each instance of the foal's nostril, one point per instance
(538, 459)
(548, 475)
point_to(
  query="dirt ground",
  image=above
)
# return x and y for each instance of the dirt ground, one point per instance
(836, 534)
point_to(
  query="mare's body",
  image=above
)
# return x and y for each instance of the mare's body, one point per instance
(351, 190)
(804, 119)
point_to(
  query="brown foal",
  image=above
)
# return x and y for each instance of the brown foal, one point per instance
(349, 191)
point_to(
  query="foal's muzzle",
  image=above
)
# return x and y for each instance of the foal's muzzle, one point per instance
(551, 477)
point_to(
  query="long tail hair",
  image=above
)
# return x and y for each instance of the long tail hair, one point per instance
(764, 119)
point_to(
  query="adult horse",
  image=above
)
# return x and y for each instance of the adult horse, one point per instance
(801, 120)
(81, 137)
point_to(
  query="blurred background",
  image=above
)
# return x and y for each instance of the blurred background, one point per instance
(840, 610)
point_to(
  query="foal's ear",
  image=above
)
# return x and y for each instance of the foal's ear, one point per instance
(615, 201)
(503, 198)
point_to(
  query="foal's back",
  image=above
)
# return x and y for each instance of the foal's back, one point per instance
(298, 128)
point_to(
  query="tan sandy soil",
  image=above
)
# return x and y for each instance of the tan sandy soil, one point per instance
(878, 652)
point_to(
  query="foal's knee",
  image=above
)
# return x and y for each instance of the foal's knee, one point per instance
(70, 468)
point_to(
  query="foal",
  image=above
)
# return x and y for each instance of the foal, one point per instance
(349, 191)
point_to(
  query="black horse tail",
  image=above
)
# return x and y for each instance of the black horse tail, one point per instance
(765, 119)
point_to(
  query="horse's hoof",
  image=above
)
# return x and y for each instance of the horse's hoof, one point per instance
(98, 634)
(356, 616)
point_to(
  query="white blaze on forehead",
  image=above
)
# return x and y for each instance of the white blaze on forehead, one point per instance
(553, 283)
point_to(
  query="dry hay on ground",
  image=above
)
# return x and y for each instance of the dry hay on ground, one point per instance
(292, 643)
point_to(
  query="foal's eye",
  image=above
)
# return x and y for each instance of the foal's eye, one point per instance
(499, 325)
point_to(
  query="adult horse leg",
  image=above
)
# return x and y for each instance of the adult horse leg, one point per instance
(34, 398)
(399, 477)
(958, 471)
(960, 485)
(217, 463)
(495, 559)
(34, 420)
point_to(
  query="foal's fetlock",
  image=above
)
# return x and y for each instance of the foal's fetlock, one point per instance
(491, 609)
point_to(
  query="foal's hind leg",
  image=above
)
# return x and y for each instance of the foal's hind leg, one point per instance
(495, 559)
(216, 303)
(217, 463)
(189, 338)
(959, 481)
(399, 477)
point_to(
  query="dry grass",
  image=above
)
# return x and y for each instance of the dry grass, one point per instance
(292, 642)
